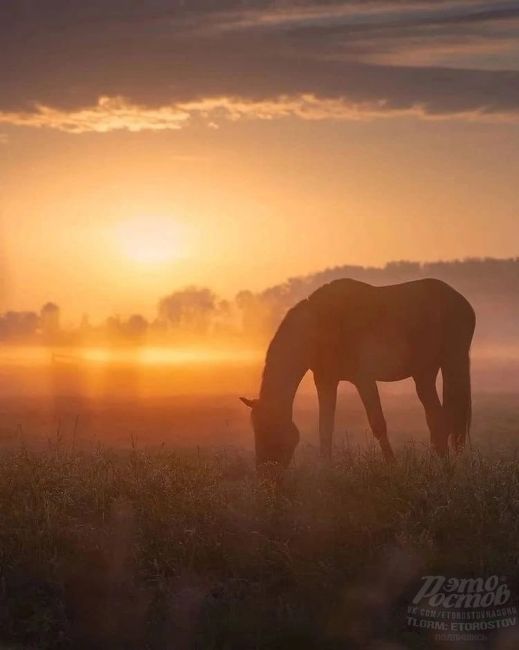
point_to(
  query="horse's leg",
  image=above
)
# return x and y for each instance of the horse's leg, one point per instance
(434, 412)
(327, 395)
(370, 397)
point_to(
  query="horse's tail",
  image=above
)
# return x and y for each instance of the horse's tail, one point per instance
(457, 397)
(457, 400)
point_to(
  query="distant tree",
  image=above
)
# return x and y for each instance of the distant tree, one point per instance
(244, 299)
(247, 303)
(22, 325)
(190, 309)
(136, 326)
(50, 320)
(84, 325)
(256, 313)
(113, 326)
(224, 308)
(223, 318)
(50, 308)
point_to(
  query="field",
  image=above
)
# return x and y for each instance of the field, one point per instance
(135, 520)
(158, 549)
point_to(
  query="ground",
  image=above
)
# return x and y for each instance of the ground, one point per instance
(161, 549)
(132, 518)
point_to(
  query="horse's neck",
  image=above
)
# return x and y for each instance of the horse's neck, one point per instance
(279, 385)
(287, 361)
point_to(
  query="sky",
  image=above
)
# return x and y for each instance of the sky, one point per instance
(233, 144)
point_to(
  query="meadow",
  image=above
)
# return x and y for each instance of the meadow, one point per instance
(161, 549)
(131, 515)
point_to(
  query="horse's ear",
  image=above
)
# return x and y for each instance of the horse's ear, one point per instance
(251, 403)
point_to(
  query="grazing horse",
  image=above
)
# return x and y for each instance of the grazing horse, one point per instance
(349, 330)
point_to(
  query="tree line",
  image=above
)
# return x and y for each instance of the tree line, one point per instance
(492, 285)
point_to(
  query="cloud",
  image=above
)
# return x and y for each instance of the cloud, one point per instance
(117, 113)
(109, 114)
(99, 66)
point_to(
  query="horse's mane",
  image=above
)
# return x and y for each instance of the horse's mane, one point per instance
(288, 343)
(291, 346)
(288, 330)
(291, 332)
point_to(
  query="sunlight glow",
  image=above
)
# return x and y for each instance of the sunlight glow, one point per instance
(165, 356)
(37, 356)
(151, 240)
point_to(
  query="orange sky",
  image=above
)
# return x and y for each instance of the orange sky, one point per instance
(244, 192)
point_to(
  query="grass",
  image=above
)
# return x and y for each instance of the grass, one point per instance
(157, 549)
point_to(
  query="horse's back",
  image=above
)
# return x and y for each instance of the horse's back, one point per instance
(391, 330)
(425, 292)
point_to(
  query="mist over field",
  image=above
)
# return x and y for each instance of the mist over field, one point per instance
(175, 379)
(197, 315)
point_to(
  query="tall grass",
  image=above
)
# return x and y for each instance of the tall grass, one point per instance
(157, 549)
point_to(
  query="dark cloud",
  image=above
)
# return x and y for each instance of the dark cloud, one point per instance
(65, 54)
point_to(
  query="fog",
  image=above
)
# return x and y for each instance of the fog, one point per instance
(189, 397)
(174, 378)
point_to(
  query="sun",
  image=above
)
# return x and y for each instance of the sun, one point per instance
(151, 240)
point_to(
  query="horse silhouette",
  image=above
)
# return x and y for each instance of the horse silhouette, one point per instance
(353, 331)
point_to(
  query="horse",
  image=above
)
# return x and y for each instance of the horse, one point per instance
(353, 331)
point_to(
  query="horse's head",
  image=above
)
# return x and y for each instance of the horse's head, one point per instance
(276, 436)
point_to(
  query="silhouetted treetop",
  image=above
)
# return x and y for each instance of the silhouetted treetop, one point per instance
(190, 309)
